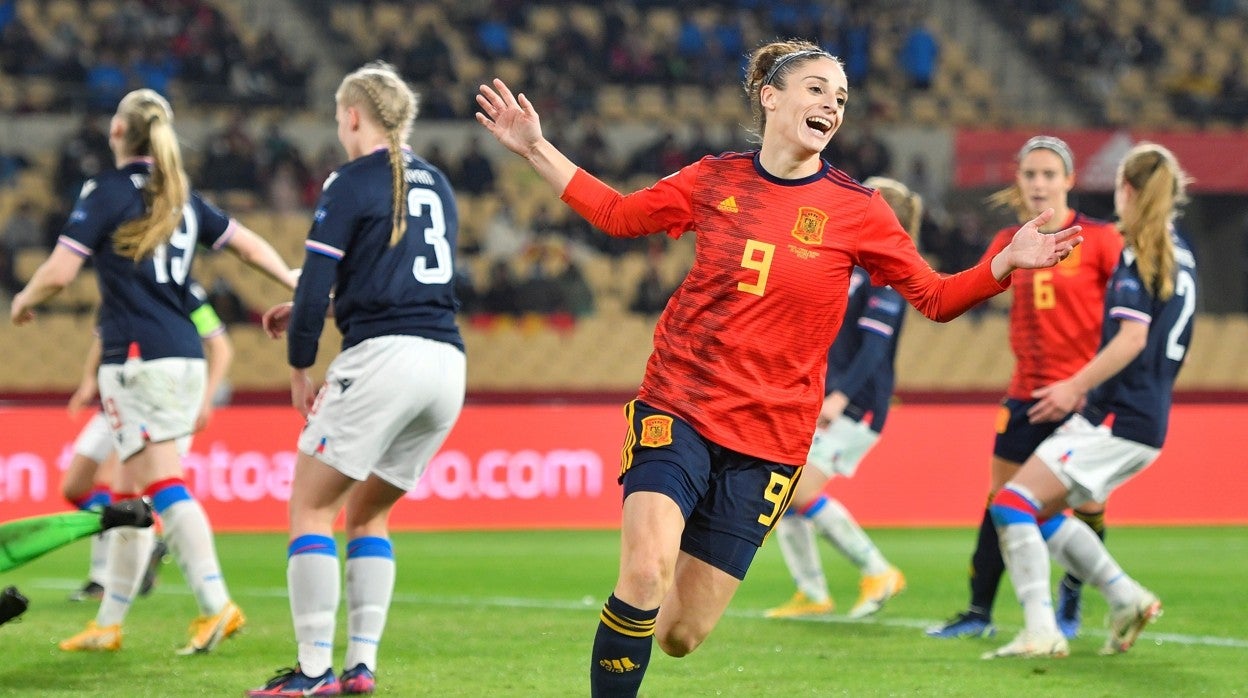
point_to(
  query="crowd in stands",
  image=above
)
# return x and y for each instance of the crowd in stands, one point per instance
(1195, 51)
(93, 53)
(533, 261)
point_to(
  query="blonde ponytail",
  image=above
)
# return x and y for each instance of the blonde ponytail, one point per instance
(1161, 187)
(149, 131)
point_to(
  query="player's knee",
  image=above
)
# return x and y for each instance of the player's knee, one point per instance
(679, 640)
(645, 582)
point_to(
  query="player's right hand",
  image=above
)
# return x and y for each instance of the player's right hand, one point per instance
(276, 319)
(512, 119)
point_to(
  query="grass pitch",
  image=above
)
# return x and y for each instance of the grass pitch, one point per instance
(514, 613)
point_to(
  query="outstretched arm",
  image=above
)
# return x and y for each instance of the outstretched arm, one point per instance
(1032, 249)
(257, 252)
(515, 123)
(54, 274)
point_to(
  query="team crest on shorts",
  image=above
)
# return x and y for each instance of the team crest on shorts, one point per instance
(656, 430)
(809, 225)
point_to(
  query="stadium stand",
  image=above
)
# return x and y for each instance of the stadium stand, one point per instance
(635, 66)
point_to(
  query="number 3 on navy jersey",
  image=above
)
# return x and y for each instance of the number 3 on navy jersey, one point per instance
(182, 241)
(441, 271)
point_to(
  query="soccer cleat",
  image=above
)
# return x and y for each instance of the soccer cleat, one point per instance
(94, 639)
(801, 605)
(12, 604)
(293, 682)
(1069, 609)
(127, 512)
(358, 681)
(91, 591)
(1126, 623)
(159, 551)
(875, 590)
(208, 631)
(965, 624)
(1028, 645)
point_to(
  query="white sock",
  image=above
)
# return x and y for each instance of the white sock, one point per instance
(312, 579)
(128, 551)
(1076, 547)
(1027, 560)
(796, 537)
(836, 524)
(98, 570)
(189, 536)
(370, 586)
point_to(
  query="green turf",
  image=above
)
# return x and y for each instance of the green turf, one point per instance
(513, 614)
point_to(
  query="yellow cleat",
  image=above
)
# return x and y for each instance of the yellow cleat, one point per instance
(94, 639)
(801, 605)
(876, 589)
(208, 631)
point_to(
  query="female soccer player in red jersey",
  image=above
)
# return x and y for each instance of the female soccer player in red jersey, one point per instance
(732, 390)
(1055, 326)
(1147, 328)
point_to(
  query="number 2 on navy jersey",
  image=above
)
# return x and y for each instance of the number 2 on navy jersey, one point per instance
(441, 270)
(178, 265)
(1184, 286)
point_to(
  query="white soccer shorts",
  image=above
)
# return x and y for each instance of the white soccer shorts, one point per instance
(386, 407)
(1090, 461)
(152, 401)
(838, 448)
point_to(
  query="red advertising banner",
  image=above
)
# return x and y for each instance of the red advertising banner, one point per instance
(530, 466)
(1214, 160)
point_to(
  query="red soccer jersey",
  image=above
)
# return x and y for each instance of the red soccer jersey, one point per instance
(1055, 315)
(741, 350)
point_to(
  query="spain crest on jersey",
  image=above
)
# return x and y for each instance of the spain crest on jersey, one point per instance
(656, 430)
(809, 225)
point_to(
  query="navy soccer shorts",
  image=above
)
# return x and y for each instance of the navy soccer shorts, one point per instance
(1017, 438)
(730, 500)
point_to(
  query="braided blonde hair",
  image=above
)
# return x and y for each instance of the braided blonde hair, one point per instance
(377, 89)
(149, 131)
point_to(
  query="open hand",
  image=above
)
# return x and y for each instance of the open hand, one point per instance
(512, 119)
(1032, 249)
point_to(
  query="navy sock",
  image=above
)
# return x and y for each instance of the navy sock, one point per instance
(621, 650)
(987, 566)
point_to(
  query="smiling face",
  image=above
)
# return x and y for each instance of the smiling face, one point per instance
(1043, 181)
(810, 106)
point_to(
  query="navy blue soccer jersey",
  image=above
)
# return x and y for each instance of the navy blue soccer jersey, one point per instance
(145, 302)
(378, 290)
(860, 360)
(1139, 395)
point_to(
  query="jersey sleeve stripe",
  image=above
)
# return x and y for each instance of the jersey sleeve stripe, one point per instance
(225, 236)
(1125, 313)
(880, 328)
(76, 247)
(321, 248)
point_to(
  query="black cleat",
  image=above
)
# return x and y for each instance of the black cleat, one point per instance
(12, 604)
(127, 512)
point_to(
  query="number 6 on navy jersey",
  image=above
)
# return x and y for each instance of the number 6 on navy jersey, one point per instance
(441, 271)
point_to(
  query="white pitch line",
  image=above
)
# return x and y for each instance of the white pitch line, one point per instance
(593, 604)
